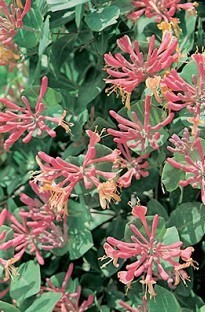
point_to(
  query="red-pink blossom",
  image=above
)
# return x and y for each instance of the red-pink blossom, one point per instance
(193, 167)
(128, 74)
(182, 145)
(160, 9)
(69, 301)
(11, 20)
(60, 177)
(181, 94)
(33, 236)
(135, 166)
(136, 134)
(18, 120)
(39, 207)
(149, 252)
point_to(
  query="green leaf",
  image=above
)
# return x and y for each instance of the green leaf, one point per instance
(57, 5)
(79, 242)
(27, 283)
(78, 15)
(165, 301)
(125, 6)
(101, 19)
(8, 253)
(155, 207)
(171, 177)
(189, 219)
(91, 89)
(45, 302)
(6, 307)
(191, 67)
(186, 40)
(80, 238)
(100, 217)
(29, 36)
(45, 40)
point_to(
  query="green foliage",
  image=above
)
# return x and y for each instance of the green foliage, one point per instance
(27, 282)
(189, 219)
(101, 19)
(164, 302)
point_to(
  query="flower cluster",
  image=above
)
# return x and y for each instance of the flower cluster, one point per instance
(136, 134)
(60, 177)
(150, 253)
(127, 75)
(181, 94)
(18, 120)
(193, 165)
(160, 10)
(33, 233)
(135, 166)
(69, 301)
(11, 20)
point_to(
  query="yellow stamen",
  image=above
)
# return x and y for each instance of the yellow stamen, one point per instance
(120, 92)
(64, 123)
(149, 288)
(58, 199)
(10, 270)
(107, 192)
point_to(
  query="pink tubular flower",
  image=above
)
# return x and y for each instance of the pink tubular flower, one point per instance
(151, 254)
(127, 75)
(136, 167)
(17, 120)
(135, 134)
(34, 235)
(60, 177)
(194, 168)
(182, 145)
(181, 94)
(69, 302)
(39, 208)
(11, 20)
(160, 9)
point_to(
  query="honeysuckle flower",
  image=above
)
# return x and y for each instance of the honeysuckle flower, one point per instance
(160, 10)
(134, 134)
(194, 168)
(69, 302)
(108, 191)
(127, 75)
(150, 254)
(181, 94)
(60, 177)
(135, 166)
(34, 235)
(182, 145)
(153, 85)
(11, 19)
(38, 207)
(19, 120)
(10, 270)
(171, 26)
(9, 56)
